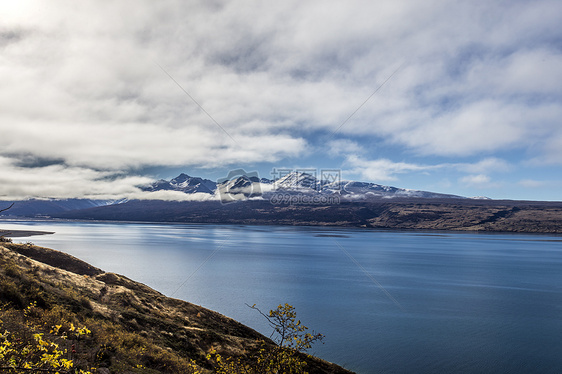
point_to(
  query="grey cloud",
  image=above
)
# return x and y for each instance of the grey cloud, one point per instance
(11, 36)
(80, 84)
(32, 161)
(58, 181)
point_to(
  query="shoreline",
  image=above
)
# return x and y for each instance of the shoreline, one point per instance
(409, 214)
(23, 233)
(436, 231)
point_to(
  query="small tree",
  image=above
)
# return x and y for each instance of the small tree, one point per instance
(287, 356)
(288, 332)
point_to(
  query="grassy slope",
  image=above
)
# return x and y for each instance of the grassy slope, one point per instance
(131, 323)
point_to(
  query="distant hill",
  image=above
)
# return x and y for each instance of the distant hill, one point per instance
(239, 187)
(404, 213)
(48, 207)
(302, 199)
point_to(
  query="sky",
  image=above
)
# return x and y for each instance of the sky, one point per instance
(460, 97)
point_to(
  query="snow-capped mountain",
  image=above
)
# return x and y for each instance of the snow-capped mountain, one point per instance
(297, 181)
(355, 189)
(243, 186)
(239, 188)
(183, 183)
(307, 183)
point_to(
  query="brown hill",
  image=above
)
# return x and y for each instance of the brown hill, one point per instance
(412, 213)
(133, 326)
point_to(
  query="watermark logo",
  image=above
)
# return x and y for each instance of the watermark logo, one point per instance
(306, 179)
(294, 179)
(239, 185)
(305, 187)
(280, 198)
(330, 178)
(288, 186)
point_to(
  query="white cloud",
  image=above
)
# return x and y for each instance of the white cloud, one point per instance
(343, 147)
(172, 196)
(530, 183)
(483, 126)
(60, 181)
(552, 150)
(479, 181)
(487, 165)
(81, 84)
(382, 169)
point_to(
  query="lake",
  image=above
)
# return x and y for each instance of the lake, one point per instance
(387, 301)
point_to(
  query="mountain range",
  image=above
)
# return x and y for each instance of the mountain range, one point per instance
(236, 187)
(249, 185)
(302, 199)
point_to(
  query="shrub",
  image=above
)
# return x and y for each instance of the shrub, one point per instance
(286, 356)
(28, 345)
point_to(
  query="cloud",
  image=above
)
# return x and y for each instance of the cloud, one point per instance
(487, 165)
(172, 196)
(341, 147)
(62, 181)
(81, 84)
(382, 169)
(479, 181)
(530, 183)
(552, 150)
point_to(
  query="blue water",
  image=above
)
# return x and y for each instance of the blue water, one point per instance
(387, 301)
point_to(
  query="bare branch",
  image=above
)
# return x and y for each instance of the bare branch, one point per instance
(271, 323)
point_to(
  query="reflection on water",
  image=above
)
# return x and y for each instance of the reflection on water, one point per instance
(471, 302)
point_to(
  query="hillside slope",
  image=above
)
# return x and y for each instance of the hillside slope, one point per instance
(134, 328)
(412, 213)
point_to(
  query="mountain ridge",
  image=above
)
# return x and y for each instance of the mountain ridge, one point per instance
(240, 187)
(396, 214)
(300, 199)
(250, 185)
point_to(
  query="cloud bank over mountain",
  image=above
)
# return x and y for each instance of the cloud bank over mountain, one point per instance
(94, 94)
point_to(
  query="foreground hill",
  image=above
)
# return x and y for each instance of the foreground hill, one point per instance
(129, 327)
(407, 213)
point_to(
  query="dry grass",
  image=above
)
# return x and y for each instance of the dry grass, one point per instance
(131, 323)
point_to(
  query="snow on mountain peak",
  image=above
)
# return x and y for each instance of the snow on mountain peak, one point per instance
(296, 180)
(292, 183)
(183, 183)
